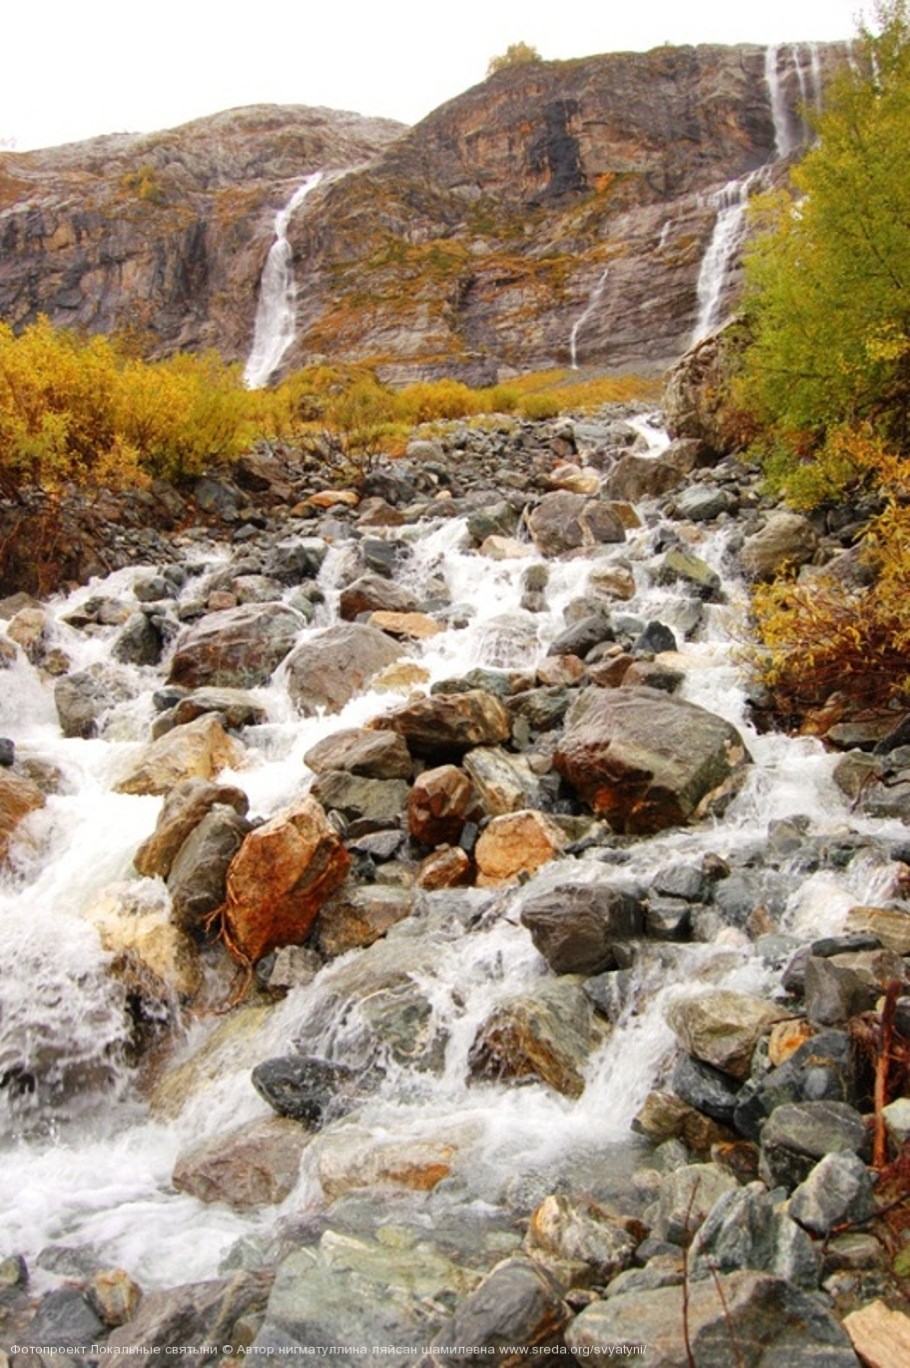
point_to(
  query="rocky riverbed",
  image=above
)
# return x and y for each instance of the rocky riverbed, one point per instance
(415, 947)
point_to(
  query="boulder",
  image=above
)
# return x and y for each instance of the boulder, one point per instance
(503, 782)
(254, 1165)
(349, 1158)
(547, 1036)
(183, 809)
(280, 877)
(646, 761)
(743, 1318)
(449, 724)
(514, 844)
(641, 477)
(372, 592)
(685, 1197)
(333, 666)
(838, 1189)
(184, 1322)
(722, 1028)
(564, 522)
(786, 541)
(798, 1134)
(236, 707)
(375, 800)
(18, 797)
(353, 918)
(237, 648)
(114, 1296)
(407, 626)
(445, 867)
(573, 1229)
(748, 1227)
(198, 875)
(517, 1303)
(305, 1089)
(154, 958)
(439, 804)
(576, 926)
(684, 567)
(375, 755)
(197, 751)
(83, 698)
(880, 1334)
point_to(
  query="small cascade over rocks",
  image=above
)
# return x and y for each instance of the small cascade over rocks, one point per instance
(276, 313)
(726, 240)
(544, 926)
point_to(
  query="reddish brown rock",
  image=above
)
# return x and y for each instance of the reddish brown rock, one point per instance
(646, 761)
(449, 723)
(257, 1164)
(446, 867)
(516, 843)
(280, 877)
(439, 804)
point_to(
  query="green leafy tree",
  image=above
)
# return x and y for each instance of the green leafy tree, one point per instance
(516, 54)
(826, 378)
(828, 295)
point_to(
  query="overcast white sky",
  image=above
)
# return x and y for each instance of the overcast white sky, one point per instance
(75, 68)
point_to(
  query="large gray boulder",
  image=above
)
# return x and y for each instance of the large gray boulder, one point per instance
(646, 761)
(237, 648)
(333, 666)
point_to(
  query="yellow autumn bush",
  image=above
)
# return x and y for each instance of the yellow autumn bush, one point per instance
(79, 410)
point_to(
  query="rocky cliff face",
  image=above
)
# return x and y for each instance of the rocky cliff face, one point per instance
(165, 233)
(557, 207)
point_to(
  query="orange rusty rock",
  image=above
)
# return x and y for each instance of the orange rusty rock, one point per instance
(278, 880)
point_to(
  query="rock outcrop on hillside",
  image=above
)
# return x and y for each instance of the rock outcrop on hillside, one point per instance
(164, 233)
(557, 211)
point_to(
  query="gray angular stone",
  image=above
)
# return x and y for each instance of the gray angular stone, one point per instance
(576, 926)
(838, 1189)
(197, 877)
(798, 1134)
(686, 1196)
(749, 1227)
(741, 1320)
(373, 754)
(353, 795)
(517, 1303)
(334, 665)
(835, 993)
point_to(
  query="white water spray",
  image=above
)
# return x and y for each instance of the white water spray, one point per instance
(726, 239)
(593, 302)
(276, 315)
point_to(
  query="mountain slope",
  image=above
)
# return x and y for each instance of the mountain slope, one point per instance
(556, 202)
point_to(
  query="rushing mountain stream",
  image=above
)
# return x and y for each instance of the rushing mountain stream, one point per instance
(458, 1061)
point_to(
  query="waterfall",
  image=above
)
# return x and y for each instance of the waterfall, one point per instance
(786, 133)
(729, 230)
(593, 302)
(276, 315)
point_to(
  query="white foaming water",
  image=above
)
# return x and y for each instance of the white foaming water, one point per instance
(276, 314)
(726, 240)
(100, 1172)
(592, 306)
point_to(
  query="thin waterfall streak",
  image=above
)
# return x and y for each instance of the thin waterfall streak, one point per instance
(276, 314)
(593, 302)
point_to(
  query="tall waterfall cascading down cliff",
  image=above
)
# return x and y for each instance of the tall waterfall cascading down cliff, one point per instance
(276, 314)
(791, 131)
(594, 301)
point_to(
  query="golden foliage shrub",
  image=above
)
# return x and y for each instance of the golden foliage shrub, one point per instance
(77, 410)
